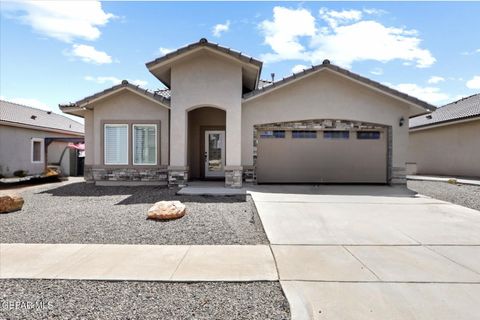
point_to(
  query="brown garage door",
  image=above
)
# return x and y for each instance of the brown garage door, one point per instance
(285, 156)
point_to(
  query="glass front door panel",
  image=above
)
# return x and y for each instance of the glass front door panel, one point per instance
(214, 153)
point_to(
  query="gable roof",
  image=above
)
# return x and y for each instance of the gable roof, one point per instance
(204, 43)
(17, 114)
(464, 108)
(356, 77)
(159, 67)
(124, 85)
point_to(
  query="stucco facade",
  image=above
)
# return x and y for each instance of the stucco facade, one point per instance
(129, 108)
(326, 95)
(450, 150)
(16, 150)
(215, 88)
(199, 76)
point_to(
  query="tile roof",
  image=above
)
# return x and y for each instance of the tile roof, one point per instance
(461, 109)
(205, 43)
(163, 98)
(20, 114)
(166, 93)
(264, 83)
(326, 65)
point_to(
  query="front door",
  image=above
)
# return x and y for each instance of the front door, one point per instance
(214, 153)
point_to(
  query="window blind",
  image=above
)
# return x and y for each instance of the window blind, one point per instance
(116, 144)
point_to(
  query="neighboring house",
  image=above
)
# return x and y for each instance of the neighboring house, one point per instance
(447, 141)
(31, 138)
(220, 121)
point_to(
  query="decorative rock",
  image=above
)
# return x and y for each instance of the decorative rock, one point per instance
(166, 210)
(10, 202)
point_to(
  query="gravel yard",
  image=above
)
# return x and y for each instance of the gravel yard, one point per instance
(64, 299)
(464, 195)
(83, 213)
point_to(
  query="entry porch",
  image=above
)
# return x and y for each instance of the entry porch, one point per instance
(211, 151)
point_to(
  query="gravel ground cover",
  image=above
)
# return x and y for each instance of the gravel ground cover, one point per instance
(83, 213)
(67, 299)
(464, 195)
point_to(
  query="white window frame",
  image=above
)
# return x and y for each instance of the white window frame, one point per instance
(42, 149)
(133, 143)
(105, 144)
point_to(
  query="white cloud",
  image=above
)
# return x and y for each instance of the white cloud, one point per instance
(29, 102)
(334, 18)
(295, 34)
(374, 11)
(377, 71)
(114, 80)
(299, 68)
(474, 83)
(469, 53)
(435, 79)
(283, 32)
(430, 94)
(89, 54)
(141, 83)
(62, 20)
(164, 51)
(103, 80)
(220, 28)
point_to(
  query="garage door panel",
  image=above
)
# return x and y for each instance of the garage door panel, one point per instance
(284, 160)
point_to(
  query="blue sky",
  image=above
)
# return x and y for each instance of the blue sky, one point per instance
(52, 53)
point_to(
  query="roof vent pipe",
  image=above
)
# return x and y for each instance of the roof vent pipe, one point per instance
(273, 76)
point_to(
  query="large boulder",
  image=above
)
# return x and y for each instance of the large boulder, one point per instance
(10, 202)
(166, 210)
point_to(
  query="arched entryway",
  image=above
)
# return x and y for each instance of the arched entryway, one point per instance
(206, 154)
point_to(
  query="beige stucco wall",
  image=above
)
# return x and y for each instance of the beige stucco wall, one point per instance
(198, 118)
(16, 150)
(127, 106)
(452, 150)
(326, 95)
(205, 79)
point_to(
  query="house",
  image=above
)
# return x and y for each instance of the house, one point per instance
(31, 138)
(447, 141)
(218, 120)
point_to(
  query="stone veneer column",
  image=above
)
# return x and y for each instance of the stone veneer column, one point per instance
(177, 176)
(233, 176)
(399, 175)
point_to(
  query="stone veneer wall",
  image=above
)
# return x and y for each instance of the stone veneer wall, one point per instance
(394, 175)
(233, 177)
(157, 174)
(399, 175)
(177, 177)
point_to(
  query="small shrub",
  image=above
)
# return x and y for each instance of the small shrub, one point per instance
(452, 181)
(20, 173)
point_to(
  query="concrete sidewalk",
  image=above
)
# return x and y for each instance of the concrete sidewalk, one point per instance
(137, 262)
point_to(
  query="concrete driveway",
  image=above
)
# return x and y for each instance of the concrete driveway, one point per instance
(372, 252)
